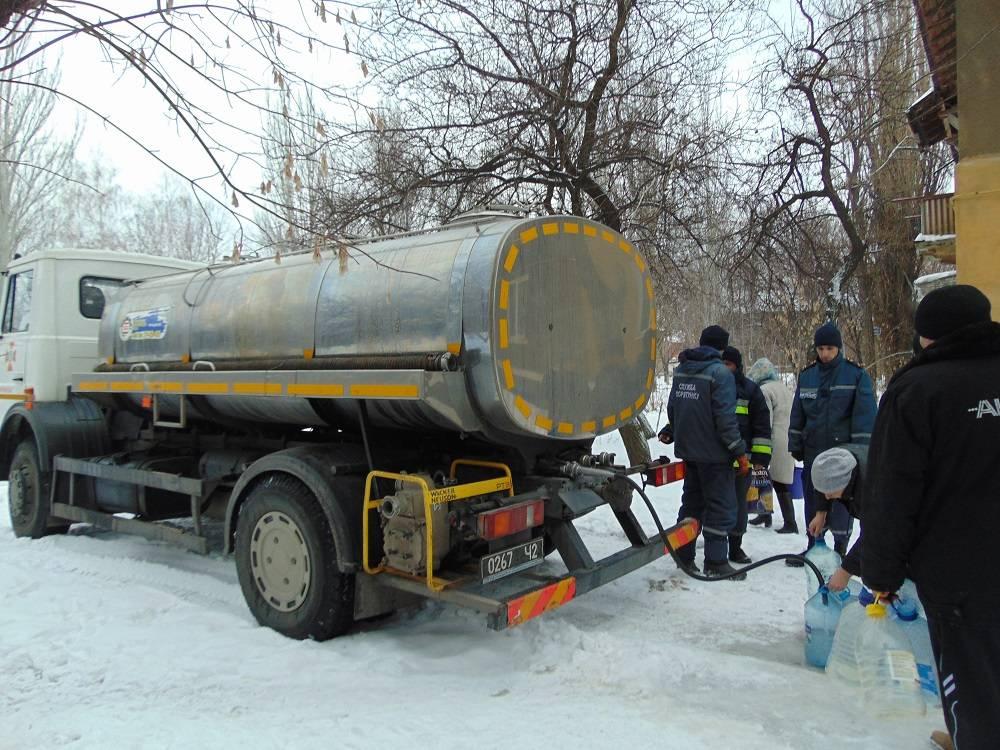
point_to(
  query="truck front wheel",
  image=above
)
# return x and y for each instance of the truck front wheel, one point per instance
(28, 494)
(287, 562)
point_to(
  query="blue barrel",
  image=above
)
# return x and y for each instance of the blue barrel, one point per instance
(797, 492)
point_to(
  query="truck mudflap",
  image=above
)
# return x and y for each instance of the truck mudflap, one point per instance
(524, 596)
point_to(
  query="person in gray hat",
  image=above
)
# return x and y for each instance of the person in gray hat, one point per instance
(838, 476)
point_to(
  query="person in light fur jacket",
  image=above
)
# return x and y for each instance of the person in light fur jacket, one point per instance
(782, 466)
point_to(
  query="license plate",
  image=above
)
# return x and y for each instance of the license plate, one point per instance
(511, 560)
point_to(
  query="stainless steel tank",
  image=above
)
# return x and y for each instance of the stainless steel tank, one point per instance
(549, 323)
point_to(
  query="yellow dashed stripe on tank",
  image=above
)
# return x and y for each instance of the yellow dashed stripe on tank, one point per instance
(508, 375)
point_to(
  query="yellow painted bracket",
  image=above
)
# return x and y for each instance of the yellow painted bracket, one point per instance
(431, 498)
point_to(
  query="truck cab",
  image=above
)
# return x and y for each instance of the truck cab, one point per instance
(52, 306)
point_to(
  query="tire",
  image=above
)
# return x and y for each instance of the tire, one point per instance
(288, 571)
(28, 494)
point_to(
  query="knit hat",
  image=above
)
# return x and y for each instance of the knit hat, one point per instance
(716, 337)
(832, 469)
(828, 335)
(732, 354)
(945, 310)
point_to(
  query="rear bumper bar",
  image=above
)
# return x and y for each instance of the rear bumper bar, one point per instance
(524, 596)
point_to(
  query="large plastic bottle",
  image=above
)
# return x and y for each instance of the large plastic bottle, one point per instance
(919, 636)
(909, 591)
(889, 682)
(843, 661)
(822, 612)
(824, 558)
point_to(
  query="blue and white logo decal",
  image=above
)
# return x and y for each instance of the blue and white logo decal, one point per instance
(144, 325)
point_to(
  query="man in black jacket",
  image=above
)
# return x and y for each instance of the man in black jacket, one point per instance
(933, 505)
(754, 419)
(701, 414)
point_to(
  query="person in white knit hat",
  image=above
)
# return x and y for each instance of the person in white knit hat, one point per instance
(838, 476)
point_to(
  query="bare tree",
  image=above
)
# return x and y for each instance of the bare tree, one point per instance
(171, 220)
(845, 74)
(214, 66)
(566, 105)
(33, 161)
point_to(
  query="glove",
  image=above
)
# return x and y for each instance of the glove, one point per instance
(798, 455)
(666, 436)
(744, 465)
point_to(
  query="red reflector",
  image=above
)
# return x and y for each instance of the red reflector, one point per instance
(147, 402)
(494, 524)
(665, 474)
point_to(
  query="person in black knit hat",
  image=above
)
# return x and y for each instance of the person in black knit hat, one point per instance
(933, 502)
(701, 418)
(834, 404)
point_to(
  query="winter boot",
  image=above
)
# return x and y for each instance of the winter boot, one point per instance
(736, 553)
(723, 568)
(942, 740)
(764, 519)
(787, 513)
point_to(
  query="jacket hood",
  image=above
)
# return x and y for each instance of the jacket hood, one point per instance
(969, 342)
(762, 371)
(700, 354)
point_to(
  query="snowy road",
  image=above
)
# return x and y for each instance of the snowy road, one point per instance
(107, 641)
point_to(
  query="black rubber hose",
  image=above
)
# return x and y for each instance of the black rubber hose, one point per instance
(699, 576)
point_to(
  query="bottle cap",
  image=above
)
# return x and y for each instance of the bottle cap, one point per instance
(876, 611)
(866, 597)
(906, 610)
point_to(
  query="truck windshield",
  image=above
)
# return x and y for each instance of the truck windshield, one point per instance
(18, 304)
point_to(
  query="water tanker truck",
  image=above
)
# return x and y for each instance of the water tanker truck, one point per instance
(411, 416)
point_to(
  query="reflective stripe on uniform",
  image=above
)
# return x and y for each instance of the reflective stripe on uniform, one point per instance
(761, 449)
(742, 409)
(843, 388)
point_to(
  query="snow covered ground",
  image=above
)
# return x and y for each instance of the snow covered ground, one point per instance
(108, 641)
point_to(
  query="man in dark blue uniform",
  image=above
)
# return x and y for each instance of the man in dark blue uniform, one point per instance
(701, 414)
(754, 419)
(834, 404)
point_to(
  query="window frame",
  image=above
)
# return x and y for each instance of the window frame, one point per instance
(118, 283)
(11, 298)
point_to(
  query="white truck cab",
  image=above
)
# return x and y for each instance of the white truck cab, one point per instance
(52, 305)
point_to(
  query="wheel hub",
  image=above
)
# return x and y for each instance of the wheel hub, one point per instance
(279, 559)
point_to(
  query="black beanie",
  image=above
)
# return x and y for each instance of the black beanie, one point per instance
(828, 335)
(732, 354)
(716, 337)
(947, 309)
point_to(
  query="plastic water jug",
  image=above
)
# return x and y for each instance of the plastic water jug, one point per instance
(889, 682)
(824, 558)
(919, 636)
(843, 661)
(908, 591)
(822, 613)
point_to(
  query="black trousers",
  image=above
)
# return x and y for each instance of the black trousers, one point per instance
(709, 496)
(965, 638)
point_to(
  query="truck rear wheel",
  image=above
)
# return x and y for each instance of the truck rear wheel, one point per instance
(28, 494)
(287, 562)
